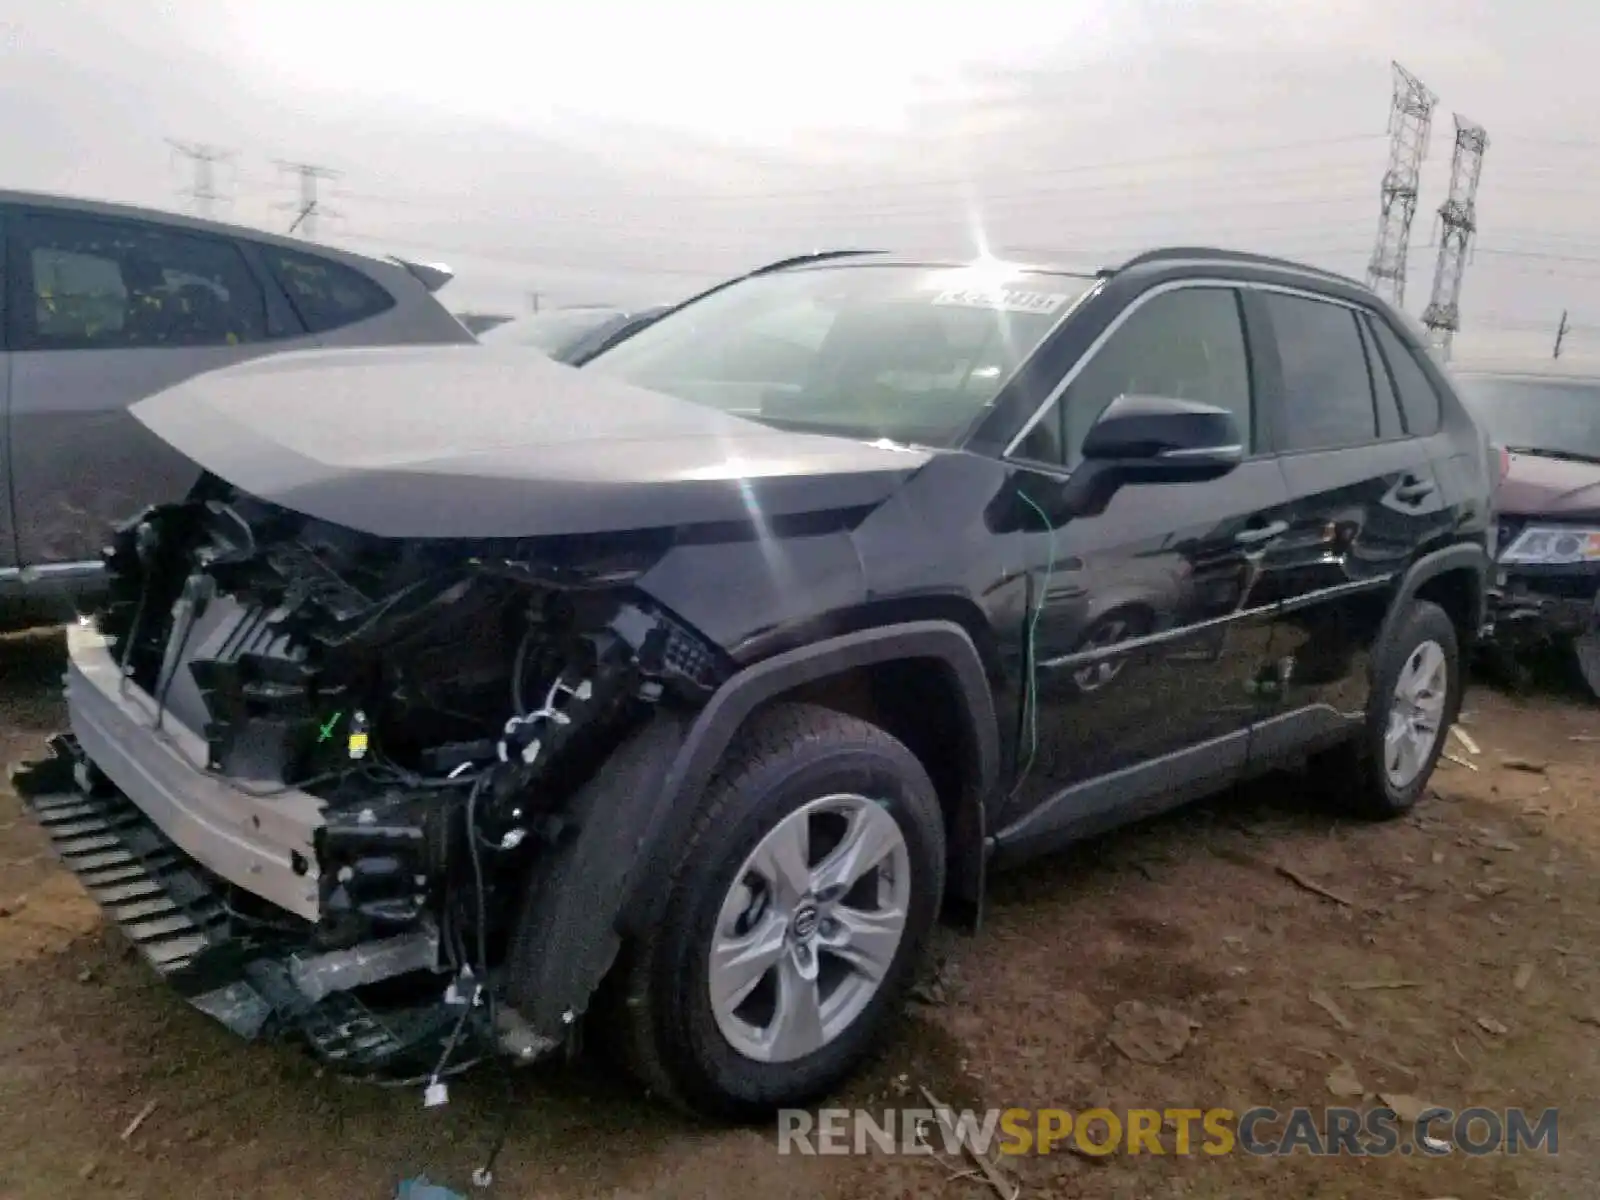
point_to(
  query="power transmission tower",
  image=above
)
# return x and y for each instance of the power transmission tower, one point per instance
(204, 159)
(1410, 123)
(309, 207)
(1458, 220)
(1561, 334)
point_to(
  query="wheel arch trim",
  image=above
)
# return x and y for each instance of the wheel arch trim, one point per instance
(717, 724)
(1468, 556)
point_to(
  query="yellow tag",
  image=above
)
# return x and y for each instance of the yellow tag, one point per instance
(358, 743)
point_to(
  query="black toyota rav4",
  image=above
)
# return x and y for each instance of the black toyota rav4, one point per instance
(471, 700)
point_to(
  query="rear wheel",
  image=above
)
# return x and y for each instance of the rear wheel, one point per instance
(796, 918)
(1416, 695)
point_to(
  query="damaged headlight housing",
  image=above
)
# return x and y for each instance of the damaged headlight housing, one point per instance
(1553, 545)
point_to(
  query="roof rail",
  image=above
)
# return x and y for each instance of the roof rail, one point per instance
(795, 260)
(1175, 253)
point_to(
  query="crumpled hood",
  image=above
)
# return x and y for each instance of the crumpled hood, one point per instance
(469, 441)
(1536, 486)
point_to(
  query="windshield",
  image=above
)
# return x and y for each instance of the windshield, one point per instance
(911, 354)
(1537, 414)
(550, 332)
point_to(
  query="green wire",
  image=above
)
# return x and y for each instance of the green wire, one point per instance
(1031, 696)
(327, 730)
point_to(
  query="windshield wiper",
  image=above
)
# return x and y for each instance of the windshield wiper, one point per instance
(1563, 455)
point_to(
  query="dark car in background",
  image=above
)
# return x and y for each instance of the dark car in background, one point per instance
(107, 304)
(1547, 426)
(571, 335)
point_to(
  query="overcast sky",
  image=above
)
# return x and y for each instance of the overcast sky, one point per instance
(633, 151)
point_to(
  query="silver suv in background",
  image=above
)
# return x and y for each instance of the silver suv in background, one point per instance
(106, 304)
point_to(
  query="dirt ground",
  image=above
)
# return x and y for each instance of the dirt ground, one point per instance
(1482, 905)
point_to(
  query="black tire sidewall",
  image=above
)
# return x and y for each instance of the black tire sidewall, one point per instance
(1424, 622)
(711, 1073)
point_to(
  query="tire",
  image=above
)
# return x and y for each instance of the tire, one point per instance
(1372, 791)
(675, 1042)
(1586, 654)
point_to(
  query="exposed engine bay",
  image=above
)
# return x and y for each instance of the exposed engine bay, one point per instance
(442, 701)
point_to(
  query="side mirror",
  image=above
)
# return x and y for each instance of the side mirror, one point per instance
(1146, 439)
(1157, 439)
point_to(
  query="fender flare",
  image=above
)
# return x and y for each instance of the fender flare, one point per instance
(606, 880)
(1464, 555)
(713, 731)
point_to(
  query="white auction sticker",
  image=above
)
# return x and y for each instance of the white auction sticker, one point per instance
(1002, 299)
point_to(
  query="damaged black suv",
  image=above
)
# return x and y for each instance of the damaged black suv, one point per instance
(471, 701)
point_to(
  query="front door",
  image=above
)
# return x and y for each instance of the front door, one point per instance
(101, 314)
(1148, 633)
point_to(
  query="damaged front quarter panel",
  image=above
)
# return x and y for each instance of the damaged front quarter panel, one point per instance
(466, 717)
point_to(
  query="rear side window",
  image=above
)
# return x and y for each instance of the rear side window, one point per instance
(1328, 399)
(1389, 423)
(1418, 399)
(325, 294)
(82, 284)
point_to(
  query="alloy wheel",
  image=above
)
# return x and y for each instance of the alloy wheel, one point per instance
(1416, 713)
(810, 927)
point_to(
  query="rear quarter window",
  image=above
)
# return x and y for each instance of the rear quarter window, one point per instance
(325, 295)
(1419, 402)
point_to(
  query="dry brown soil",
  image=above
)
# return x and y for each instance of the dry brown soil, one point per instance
(1483, 904)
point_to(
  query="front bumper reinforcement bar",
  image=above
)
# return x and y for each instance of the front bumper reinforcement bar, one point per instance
(261, 982)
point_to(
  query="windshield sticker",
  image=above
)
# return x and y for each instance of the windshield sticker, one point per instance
(1001, 300)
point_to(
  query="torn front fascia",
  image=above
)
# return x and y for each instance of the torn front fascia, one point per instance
(1528, 612)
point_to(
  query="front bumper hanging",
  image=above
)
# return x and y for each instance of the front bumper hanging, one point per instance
(260, 981)
(1530, 608)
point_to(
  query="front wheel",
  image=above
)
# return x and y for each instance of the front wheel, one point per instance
(795, 921)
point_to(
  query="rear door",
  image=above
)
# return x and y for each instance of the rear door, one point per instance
(100, 314)
(1364, 503)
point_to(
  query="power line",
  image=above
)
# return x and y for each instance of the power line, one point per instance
(1226, 192)
(1410, 122)
(753, 251)
(308, 209)
(1458, 221)
(203, 159)
(879, 187)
